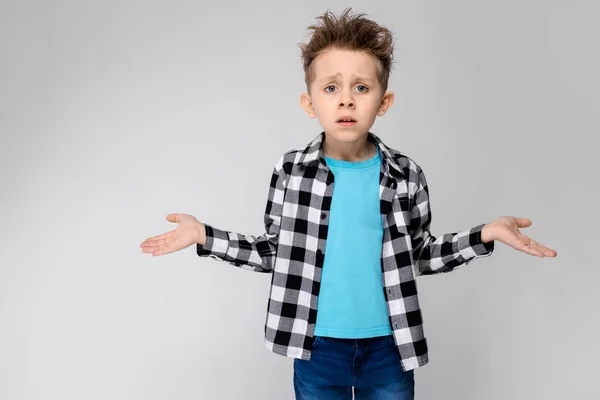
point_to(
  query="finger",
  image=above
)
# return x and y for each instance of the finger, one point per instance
(532, 247)
(546, 252)
(535, 248)
(148, 249)
(529, 249)
(147, 244)
(523, 222)
(522, 241)
(162, 250)
(155, 242)
(540, 250)
(173, 217)
(528, 245)
(161, 236)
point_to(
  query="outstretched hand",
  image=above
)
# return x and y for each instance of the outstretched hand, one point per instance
(506, 230)
(188, 232)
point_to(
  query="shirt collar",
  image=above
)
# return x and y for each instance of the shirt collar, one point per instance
(314, 151)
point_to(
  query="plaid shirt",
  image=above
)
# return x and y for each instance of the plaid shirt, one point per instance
(293, 248)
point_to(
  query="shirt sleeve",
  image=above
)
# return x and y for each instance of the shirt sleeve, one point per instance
(253, 253)
(448, 252)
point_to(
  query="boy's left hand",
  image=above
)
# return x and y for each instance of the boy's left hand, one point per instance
(506, 230)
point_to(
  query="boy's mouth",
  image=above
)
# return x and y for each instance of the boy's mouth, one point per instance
(346, 121)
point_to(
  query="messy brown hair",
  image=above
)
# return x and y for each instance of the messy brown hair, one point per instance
(349, 32)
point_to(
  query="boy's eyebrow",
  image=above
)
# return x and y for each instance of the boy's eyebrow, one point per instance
(333, 76)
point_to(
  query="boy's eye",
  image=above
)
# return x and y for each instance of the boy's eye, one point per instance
(359, 90)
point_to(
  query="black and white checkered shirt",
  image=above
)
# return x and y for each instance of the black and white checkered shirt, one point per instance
(293, 248)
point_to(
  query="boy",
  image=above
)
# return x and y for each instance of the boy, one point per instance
(347, 231)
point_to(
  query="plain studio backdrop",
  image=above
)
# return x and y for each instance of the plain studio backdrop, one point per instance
(114, 114)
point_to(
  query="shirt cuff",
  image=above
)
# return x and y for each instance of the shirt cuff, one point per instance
(471, 245)
(489, 246)
(216, 245)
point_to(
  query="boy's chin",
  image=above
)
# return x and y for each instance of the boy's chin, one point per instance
(346, 134)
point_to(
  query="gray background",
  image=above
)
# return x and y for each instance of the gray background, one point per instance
(114, 114)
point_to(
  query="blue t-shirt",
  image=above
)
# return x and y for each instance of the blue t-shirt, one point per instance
(351, 302)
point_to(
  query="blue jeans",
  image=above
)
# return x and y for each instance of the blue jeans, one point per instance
(371, 366)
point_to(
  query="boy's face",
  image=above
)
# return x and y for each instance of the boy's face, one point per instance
(345, 84)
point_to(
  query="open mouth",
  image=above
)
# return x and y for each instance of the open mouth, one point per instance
(346, 121)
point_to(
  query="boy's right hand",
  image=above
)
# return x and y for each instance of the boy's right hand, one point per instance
(189, 231)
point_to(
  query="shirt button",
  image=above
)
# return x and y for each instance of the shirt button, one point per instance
(323, 216)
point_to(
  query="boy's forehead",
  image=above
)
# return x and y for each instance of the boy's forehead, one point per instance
(338, 75)
(344, 63)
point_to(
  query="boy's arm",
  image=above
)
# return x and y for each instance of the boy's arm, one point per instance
(433, 255)
(253, 253)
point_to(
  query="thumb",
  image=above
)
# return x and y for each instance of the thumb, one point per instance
(523, 222)
(173, 217)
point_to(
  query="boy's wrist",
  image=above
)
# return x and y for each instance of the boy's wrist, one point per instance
(201, 236)
(488, 232)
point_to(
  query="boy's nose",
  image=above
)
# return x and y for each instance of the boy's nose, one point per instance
(346, 98)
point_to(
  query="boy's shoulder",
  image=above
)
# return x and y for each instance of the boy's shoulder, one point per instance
(308, 154)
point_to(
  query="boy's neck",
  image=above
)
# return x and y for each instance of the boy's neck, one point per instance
(360, 150)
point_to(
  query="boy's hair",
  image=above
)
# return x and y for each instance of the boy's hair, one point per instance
(349, 32)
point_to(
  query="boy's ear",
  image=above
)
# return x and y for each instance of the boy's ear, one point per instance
(306, 103)
(386, 102)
